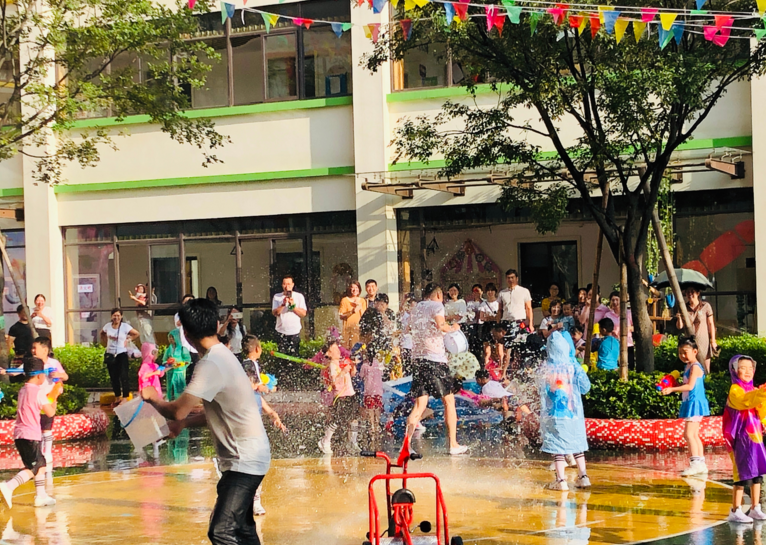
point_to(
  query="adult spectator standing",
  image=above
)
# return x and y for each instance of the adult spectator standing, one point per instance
(701, 315)
(116, 335)
(184, 341)
(614, 314)
(431, 375)
(377, 326)
(515, 301)
(20, 339)
(371, 287)
(352, 307)
(212, 295)
(601, 309)
(231, 412)
(289, 307)
(42, 317)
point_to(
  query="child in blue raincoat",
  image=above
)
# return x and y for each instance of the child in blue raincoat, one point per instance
(562, 383)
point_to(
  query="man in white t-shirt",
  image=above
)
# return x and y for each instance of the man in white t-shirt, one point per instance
(231, 412)
(515, 301)
(289, 307)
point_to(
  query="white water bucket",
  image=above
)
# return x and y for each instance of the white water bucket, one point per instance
(142, 422)
(456, 342)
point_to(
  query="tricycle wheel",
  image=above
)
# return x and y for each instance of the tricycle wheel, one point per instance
(368, 543)
(456, 540)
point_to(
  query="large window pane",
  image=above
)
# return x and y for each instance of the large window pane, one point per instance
(215, 91)
(543, 263)
(90, 276)
(212, 264)
(335, 264)
(83, 327)
(166, 274)
(248, 69)
(88, 234)
(326, 62)
(256, 266)
(424, 66)
(281, 65)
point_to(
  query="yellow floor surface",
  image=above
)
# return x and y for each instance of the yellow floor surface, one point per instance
(322, 501)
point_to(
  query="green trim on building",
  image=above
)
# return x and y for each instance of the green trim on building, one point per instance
(436, 93)
(705, 143)
(205, 180)
(12, 192)
(223, 112)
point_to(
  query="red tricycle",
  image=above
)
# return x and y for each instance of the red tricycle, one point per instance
(399, 506)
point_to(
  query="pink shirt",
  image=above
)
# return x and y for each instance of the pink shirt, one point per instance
(30, 404)
(143, 381)
(341, 379)
(373, 379)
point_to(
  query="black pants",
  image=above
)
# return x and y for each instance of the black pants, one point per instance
(232, 520)
(289, 344)
(118, 374)
(191, 366)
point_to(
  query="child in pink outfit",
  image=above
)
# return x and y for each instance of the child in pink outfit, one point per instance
(372, 374)
(149, 373)
(338, 375)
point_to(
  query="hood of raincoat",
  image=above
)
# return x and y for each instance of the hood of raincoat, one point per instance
(733, 362)
(146, 352)
(559, 349)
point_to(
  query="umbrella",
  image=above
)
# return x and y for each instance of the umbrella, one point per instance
(685, 276)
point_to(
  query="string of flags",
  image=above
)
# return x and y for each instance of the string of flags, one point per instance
(614, 20)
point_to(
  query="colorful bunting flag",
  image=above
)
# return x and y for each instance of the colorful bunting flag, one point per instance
(378, 5)
(227, 11)
(723, 20)
(665, 37)
(558, 14)
(759, 33)
(576, 21)
(723, 37)
(648, 14)
(514, 14)
(338, 29)
(709, 31)
(499, 22)
(699, 12)
(449, 12)
(270, 19)
(406, 25)
(638, 29)
(700, 3)
(601, 10)
(421, 3)
(610, 18)
(534, 18)
(667, 20)
(372, 32)
(191, 3)
(620, 26)
(490, 11)
(761, 6)
(300, 21)
(595, 24)
(461, 8)
(678, 31)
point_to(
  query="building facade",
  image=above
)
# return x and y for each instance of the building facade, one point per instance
(309, 127)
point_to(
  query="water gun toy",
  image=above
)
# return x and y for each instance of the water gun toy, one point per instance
(20, 371)
(270, 381)
(302, 361)
(171, 363)
(669, 381)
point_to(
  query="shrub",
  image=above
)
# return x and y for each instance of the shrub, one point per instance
(72, 400)
(666, 355)
(85, 366)
(292, 376)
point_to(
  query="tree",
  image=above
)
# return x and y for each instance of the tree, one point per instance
(63, 60)
(632, 104)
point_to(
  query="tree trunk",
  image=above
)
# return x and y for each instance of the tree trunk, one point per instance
(642, 324)
(623, 321)
(4, 354)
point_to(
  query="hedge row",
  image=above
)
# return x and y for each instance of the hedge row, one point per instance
(666, 355)
(71, 400)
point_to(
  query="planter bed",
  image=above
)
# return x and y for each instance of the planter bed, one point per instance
(65, 428)
(649, 434)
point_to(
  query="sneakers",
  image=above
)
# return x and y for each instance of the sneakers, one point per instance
(755, 513)
(7, 494)
(258, 507)
(459, 450)
(560, 486)
(44, 501)
(695, 468)
(739, 516)
(419, 430)
(582, 482)
(325, 447)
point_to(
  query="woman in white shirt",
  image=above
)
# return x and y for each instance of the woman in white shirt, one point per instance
(455, 309)
(234, 329)
(116, 335)
(42, 317)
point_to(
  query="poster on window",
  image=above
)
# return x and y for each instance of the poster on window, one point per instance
(88, 293)
(469, 265)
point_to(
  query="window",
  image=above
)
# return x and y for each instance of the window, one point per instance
(543, 263)
(425, 66)
(281, 66)
(326, 67)
(247, 63)
(215, 91)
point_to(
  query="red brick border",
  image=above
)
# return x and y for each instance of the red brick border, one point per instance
(67, 427)
(649, 434)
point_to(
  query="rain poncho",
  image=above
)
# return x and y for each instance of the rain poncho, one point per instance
(561, 383)
(742, 426)
(176, 376)
(148, 365)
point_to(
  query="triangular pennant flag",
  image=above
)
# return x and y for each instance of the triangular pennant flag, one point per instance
(191, 3)
(490, 11)
(499, 22)
(378, 5)
(337, 28)
(534, 18)
(667, 20)
(709, 31)
(461, 8)
(610, 18)
(227, 11)
(421, 3)
(449, 12)
(723, 20)
(620, 26)
(638, 29)
(508, 4)
(300, 21)
(406, 25)
(514, 14)
(699, 12)
(564, 8)
(558, 15)
(372, 31)
(595, 24)
(678, 31)
(346, 26)
(395, 3)
(583, 24)
(647, 14)
(270, 19)
(601, 10)
(576, 21)
(761, 6)
(700, 3)
(409, 5)
(665, 37)
(759, 33)
(723, 37)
